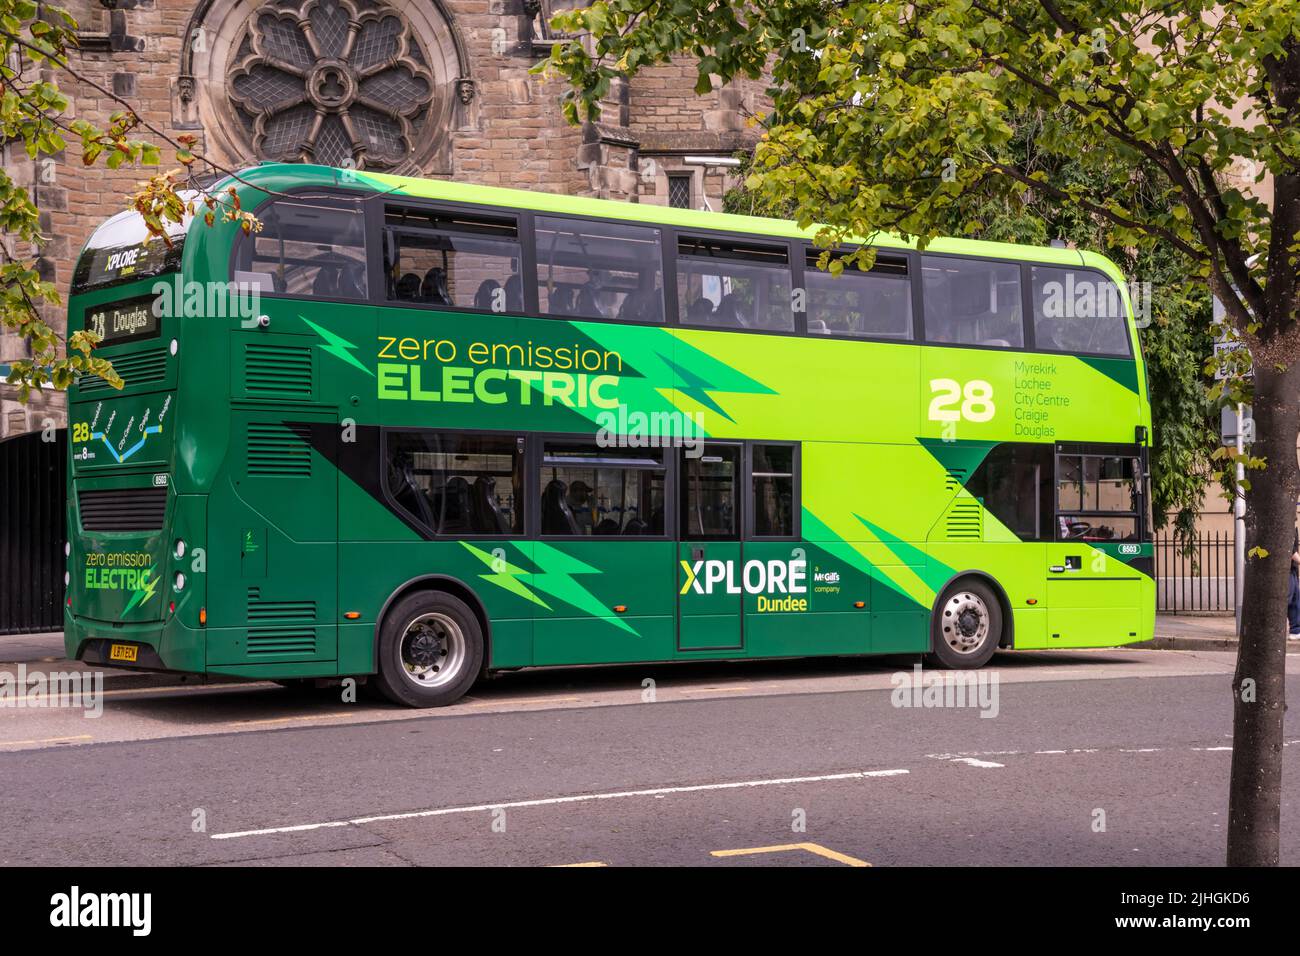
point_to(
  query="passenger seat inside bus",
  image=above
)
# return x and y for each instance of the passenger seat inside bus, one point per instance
(408, 492)
(488, 518)
(434, 287)
(456, 505)
(407, 288)
(340, 279)
(557, 517)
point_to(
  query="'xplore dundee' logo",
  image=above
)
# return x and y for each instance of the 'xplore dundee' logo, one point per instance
(762, 578)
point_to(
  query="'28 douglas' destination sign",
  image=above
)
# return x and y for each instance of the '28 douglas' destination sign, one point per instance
(123, 321)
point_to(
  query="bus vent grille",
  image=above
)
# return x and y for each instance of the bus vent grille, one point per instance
(282, 643)
(956, 479)
(277, 369)
(144, 368)
(279, 612)
(122, 509)
(965, 520)
(279, 450)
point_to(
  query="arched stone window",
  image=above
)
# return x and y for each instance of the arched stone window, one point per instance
(340, 82)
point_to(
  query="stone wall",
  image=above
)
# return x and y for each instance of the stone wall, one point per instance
(492, 121)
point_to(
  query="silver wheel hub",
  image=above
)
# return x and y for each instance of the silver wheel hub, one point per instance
(433, 650)
(964, 622)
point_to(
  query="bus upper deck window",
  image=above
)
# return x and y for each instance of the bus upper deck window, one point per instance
(734, 285)
(599, 270)
(454, 259)
(1078, 311)
(972, 302)
(306, 249)
(868, 304)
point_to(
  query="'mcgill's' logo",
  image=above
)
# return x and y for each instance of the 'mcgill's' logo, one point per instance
(762, 578)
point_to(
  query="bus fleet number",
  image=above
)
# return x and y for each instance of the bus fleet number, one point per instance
(976, 398)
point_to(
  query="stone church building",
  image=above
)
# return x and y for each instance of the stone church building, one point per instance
(437, 88)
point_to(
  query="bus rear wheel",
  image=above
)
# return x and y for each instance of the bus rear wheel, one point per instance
(967, 625)
(430, 650)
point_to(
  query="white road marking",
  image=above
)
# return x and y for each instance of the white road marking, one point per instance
(971, 761)
(555, 801)
(976, 753)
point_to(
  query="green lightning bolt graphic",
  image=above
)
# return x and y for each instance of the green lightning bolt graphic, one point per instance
(142, 595)
(695, 387)
(504, 574)
(337, 346)
(556, 579)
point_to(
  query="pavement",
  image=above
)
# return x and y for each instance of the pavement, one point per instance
(1103, 757)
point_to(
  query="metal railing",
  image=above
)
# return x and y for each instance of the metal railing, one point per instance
(1199, 579)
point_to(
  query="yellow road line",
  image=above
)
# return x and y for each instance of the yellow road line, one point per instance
(710, 690)
(814, 848)
(526, 700)
(45, 740)
(564, 866)
(281, 720)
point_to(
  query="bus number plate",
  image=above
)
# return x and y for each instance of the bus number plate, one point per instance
(123, 652)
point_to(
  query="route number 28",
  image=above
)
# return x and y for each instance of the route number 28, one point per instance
(976, 398)
(80, 431)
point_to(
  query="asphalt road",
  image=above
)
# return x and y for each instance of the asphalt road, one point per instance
(1096, 758)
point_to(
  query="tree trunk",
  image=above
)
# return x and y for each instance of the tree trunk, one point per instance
(1259, 685)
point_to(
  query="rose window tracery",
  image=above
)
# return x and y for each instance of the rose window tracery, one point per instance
(337, 82)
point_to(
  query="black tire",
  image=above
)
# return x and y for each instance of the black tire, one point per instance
(430, 650)
(967, 625)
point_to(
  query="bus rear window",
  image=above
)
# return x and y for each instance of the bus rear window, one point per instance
(1078, 311)
(122, 249)
(305, 249)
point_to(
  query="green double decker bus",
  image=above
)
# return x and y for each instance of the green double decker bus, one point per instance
(420, 431)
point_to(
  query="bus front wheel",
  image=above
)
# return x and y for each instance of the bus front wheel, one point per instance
(430, 650)
(967, 625)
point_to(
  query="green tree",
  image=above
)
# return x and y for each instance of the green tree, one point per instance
(34, 44)
(885, 114)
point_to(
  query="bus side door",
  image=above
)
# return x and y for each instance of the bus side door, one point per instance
(710, 559)
(1093, 595)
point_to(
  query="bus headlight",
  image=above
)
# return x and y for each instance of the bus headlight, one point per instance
(67, 549)
(67, 579)
(180, 548)
(180, 581)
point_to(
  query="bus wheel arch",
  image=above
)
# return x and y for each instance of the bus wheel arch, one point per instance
(448, 585)
(981, 592)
